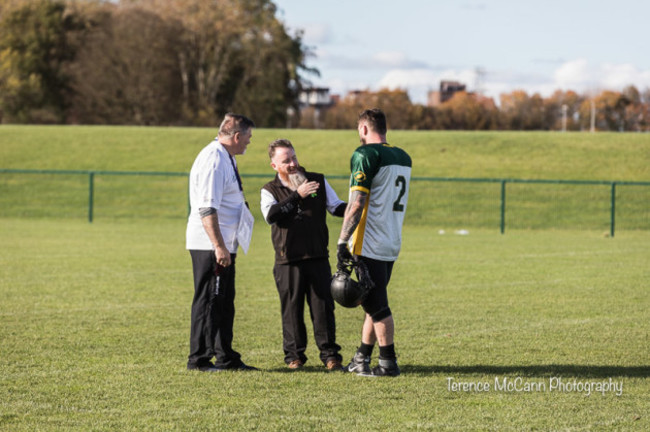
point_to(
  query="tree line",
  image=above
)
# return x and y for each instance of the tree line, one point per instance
(608, 110)
(147, 62)
(188, 62)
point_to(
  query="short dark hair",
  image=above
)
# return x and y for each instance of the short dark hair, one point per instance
(278, 143)
(376, 120)
(233, 123)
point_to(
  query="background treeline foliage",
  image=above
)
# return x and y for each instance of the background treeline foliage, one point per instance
(147, 62)
(628, 110)
(187, 62)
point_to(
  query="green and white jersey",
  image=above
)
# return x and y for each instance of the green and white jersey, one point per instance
(384, 173)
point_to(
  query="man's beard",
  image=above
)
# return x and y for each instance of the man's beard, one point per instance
(296, 179)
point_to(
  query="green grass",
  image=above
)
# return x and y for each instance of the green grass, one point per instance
(94, 318)
(95, 327)
(541, 155)
(443, 205)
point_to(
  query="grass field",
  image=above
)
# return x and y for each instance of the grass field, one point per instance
(94, 318)
(541, 155)
(442, 205)
(95, 335)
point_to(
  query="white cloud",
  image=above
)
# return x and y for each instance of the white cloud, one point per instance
(619, 76)
(572, 74)
(374, 74)
(579, 75)
(418, 82)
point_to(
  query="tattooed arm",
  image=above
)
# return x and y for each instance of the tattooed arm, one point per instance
(352, 214)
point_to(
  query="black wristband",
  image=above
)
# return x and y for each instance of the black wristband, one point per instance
(207, 211)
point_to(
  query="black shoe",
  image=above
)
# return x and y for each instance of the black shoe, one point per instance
(359, 364)
(204, 368)
(244, 367)
(240, 367)
(386, 368)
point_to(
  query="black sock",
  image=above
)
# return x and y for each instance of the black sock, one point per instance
(387, 352)
(366, 349)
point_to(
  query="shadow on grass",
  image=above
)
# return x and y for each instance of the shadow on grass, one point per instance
(550, 370)
(305, 369)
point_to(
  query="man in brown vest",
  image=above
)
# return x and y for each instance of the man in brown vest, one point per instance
(295, 205)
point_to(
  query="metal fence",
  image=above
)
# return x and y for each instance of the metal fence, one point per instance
(482, 202)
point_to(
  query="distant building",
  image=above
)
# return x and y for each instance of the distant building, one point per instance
(313, 101)
(318, 97)
(354, 94)
(446, 92)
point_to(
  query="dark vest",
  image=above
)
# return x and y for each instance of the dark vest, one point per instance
(302, 233)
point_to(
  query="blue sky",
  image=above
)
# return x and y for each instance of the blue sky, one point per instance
(538, 46)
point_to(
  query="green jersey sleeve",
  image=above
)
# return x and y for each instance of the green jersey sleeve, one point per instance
(363, 167)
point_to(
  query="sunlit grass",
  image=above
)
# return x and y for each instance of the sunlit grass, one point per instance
(95, 320)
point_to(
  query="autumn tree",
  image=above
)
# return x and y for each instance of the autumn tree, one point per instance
(234, 55)
(126, 72)
(554, 111)
(343, 115)
(522, 112)
(636, 113)
(610, 107)
(395, 103)
(269, 82)
(425, 117)
(34, 51)
(470, 112)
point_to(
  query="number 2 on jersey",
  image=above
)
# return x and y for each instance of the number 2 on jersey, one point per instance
(400, 182)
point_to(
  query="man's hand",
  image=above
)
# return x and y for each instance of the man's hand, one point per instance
(343, 256)
(307, 188)
(222, 255)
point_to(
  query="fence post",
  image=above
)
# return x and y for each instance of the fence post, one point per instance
(503, 206)
(91, 193)
(613, 208)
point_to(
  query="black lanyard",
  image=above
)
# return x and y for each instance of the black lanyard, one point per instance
(232, 161)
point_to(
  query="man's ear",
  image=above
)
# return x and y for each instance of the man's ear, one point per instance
(364, 129)
(273, 166)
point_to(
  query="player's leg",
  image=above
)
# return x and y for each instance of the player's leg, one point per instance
(360, 362)
(376, 305)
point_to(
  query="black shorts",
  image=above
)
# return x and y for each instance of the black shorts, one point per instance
(376, 303)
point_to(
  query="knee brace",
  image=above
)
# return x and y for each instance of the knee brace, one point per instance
(381, 314)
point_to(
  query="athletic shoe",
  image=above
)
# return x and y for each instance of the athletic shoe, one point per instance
(295, 364)
(359, 364)
(334, 365)
(386, 367)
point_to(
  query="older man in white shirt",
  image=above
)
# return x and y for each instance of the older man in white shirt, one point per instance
(216, 202)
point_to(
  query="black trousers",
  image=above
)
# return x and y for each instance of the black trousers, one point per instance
(310, 280)
(213, 313)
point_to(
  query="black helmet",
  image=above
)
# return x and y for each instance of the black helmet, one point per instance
(346, 291)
